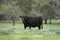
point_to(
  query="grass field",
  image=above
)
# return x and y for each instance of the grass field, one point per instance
(17, 32)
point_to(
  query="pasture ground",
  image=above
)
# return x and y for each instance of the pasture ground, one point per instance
(17, 32)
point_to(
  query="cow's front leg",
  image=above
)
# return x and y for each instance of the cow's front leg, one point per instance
(39, 27)
(25, 26)
(29, 27)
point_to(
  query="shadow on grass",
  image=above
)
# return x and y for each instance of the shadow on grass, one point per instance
(25, 38)
(56, 31)
(53, 24)
(56, 23)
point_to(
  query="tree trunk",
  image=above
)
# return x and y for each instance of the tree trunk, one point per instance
(13, 22)
(50, 21)
(45, 20)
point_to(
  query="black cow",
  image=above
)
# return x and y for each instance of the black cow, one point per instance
(34, 21)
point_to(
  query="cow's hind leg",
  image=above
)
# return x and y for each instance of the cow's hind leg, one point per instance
(24, 27)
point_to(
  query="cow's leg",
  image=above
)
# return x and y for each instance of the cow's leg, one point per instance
(39, 27)
(25, 26)
(29, 27)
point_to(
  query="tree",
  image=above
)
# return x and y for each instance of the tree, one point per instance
(49, 9)
(25, 6)
(55, 7)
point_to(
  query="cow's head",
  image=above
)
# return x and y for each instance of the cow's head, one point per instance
(23, 17)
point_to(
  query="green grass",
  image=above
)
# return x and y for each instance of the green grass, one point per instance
(17, 32)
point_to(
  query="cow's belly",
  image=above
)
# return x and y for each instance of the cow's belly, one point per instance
(33, 25)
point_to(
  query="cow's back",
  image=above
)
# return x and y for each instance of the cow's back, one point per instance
(34, 21)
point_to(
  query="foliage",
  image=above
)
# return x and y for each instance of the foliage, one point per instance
(50, 8)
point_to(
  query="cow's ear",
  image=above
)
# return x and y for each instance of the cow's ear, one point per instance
(20, 16)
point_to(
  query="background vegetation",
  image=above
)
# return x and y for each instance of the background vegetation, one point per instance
(49, 9)
(10, 10)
